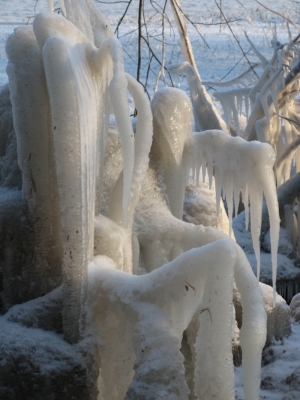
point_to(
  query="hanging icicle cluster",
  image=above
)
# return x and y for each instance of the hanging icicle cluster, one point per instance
(240, 168)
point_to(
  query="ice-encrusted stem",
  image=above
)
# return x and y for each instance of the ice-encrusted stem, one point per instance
(186, 47)
(117, 92)
(142, 146)
(205, 113)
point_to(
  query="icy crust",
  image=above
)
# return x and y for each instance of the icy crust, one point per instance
(240, 167)
(164, 302)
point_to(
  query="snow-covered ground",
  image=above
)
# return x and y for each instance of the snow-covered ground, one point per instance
(280, 360)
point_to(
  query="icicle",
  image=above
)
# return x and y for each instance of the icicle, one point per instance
(246, 100)
(235, 115)
(210, 170)
(203, 167)
(197, 169)
(218, 185)
(229, 200)
(256, 198)
(236, 199)
(246, 204)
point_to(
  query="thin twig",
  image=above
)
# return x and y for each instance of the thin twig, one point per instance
(123, 16)
(190, 21)
(139, 40)
(237, 40)
(290, 120)
(157, 59)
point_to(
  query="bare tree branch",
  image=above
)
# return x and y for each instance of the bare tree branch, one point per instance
(235, 37)
(141, 3)
(122, 17)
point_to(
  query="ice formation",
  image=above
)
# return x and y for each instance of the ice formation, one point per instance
(66, 74)
(240, 167)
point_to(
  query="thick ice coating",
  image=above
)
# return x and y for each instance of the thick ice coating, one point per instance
(240, 167)
(159, 307)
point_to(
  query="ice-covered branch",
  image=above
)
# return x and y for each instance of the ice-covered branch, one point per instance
(285, 157)
(244, 79)
(186, 47)
(205, 113)
(262, 58)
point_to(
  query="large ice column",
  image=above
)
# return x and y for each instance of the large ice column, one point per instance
(31, 115)
(172, 125)
(75, 95)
